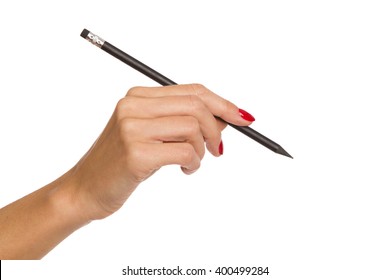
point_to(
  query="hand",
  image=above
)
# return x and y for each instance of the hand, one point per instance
(150, 128)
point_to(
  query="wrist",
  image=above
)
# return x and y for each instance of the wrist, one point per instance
(65, 203)
(36, 223)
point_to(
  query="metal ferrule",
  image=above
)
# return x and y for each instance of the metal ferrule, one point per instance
(95, 40)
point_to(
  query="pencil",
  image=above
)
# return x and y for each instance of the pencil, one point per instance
(164, 81)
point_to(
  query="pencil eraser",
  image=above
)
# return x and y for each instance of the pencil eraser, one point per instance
(84, 33)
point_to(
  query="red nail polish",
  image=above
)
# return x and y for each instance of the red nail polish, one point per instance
(220, 148)
(246, 116)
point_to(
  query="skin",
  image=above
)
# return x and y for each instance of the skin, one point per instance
(150, 128)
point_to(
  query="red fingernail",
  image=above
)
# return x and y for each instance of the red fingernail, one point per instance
(220, 148)
(246, 116)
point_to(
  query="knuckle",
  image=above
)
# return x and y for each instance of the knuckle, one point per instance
(134, 91)
(199, 89)
(202, 153)
(134, 162)
(226, 105)
(187, 154)
(126, 105)
(121, 103)
(120, 110)
(192, 126)
(196, 103)
(127, 127)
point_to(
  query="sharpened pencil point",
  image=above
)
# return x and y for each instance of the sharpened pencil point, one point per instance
(281, 151)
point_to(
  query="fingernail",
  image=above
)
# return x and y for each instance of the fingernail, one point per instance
(246, 116)
(220, 148)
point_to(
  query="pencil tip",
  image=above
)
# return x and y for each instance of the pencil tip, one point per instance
(281, 151)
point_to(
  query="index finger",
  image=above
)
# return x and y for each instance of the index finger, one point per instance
(217, 105)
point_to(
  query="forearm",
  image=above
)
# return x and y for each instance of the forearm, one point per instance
(33, 225)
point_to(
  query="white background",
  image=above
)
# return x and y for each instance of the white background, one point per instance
(315, 74)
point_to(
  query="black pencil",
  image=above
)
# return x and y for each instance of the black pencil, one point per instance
(162, 80)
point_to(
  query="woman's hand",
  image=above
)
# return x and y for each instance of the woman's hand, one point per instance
(150, 128)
